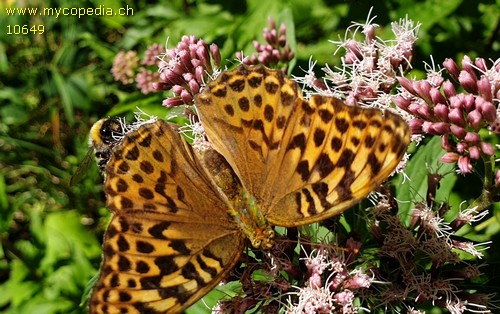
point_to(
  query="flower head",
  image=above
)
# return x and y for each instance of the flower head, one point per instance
(125, 66)
(275, 53)
(185, 68)
(458, 117)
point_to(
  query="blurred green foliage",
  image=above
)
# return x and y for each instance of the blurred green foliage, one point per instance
(53, 86)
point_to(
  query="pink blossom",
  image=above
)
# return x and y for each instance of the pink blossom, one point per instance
(450, 157)
(464, 164)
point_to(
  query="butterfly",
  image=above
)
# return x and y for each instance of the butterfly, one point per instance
(181, 218)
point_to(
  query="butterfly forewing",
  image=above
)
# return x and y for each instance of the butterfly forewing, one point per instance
(170, 240)
(304, 161)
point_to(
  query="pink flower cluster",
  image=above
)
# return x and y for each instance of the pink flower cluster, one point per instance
(276, 52)
(336, 294)
(185, 68)
(370, 65)
(126, 68)
(458, 117)
(421, 260)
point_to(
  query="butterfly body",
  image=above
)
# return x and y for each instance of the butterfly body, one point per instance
(181, 218)
(243, 207)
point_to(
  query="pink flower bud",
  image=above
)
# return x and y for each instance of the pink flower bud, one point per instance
(413, 108)
(185, 39)
(185, 60)
(214, 50)
(275, 53)
(158, 86)
(177, 69)
(423, 90)
(487, 148)
(282, 28)
(186, 97)
(173, 78)
(472, 138)
(436, 96)
(469, 101)
(188, 76)
(468, 81)
(484, 88)
(440, 128)
(474, 152)
(451, 67)
(203, 55)
(352, 46)
(196, 63)
(406, 84)
(497, 178)
(464, 164)
(456, 102)
(441, 111)
(172, 102)
(459, 132)
(481, 64)
(401, 102)
(425, 111)
(467, 64)
(449, 157)
(199, 73)
(416, 126)
(282, 40)
(456, 116)
(257, 45)
(194, 87)
(436, 79)
(475, 118)
(350, 58)
(487, 109)
(427, 127)
(449, 89)
(271, 22)
(369, 31)
(177, 89)
(462, 147)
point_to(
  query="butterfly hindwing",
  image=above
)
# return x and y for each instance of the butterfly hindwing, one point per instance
(170, 240)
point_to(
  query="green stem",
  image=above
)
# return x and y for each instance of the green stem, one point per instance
(489, 189)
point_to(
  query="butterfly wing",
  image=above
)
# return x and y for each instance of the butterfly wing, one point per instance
(170, 240)
(303, 160)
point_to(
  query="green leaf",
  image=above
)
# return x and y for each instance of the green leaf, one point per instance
(425, 160)
(63, 91)
(65, 236)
